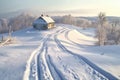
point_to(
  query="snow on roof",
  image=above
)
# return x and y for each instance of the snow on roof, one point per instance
(44, 20)
(48, 19)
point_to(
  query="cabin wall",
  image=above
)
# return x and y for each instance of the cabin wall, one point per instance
(40, 26)
(50, 25)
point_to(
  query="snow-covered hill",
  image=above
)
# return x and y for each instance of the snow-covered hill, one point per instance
(63, 53)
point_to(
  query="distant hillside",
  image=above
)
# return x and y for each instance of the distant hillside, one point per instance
(10, 14)
(17, 13)
(109, 18)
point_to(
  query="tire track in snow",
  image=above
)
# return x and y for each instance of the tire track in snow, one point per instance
(92, 65)
(57, 75)
(55, 72)
(27, 71)
(105, 75)
(32, 70)
(45, 68)
(66, 68)
(43, 71)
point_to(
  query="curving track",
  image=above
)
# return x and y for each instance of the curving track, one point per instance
(96, 70)
(52, 51)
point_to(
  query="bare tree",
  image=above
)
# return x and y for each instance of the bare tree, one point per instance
(0, 27)
(9, 32)
(101, 29)
(117, 39)
(114, 25)
(21, 21)
(113, 32)
(4, 25)
(67, 19)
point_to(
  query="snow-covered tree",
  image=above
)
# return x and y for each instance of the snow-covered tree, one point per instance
(77, 21)
(4, 25)
(21, 21)
(101, 29)
(114, 32)
(0, 26)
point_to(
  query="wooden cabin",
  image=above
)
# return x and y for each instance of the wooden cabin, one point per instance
(43, 23)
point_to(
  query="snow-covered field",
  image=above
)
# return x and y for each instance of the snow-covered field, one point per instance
(63, 53)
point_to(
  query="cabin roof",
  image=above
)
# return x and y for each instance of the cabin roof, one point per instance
(47, 19)
(44, 20)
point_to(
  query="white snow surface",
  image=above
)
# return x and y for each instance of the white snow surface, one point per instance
(65, 52)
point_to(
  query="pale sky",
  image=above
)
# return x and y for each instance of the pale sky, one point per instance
(75, 7)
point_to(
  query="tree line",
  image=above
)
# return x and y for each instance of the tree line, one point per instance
(16, 23)
(77, 21)
(107, 32)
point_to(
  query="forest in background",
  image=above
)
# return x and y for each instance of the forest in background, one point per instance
(107, 29)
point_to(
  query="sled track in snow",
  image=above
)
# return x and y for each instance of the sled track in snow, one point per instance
(40, 63)
(28, 72)
(46, 70)
(57, 75)
(89, 63)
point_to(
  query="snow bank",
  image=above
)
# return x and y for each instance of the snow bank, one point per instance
(79, 38)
